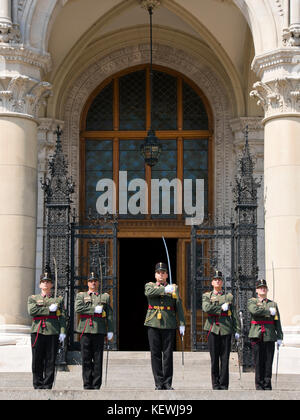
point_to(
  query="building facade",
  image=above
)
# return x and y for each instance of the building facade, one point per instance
(84, 65)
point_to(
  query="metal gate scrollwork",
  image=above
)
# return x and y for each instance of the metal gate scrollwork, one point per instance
(232, 248)
(75, 247)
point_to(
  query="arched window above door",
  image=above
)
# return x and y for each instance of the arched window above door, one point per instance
(115, 122)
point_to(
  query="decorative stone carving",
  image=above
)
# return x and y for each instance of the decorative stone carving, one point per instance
(279, 96)
(291, 36)
(9, 33)
(22, 94)
(22, 56)
(149, 4)
(279, 89)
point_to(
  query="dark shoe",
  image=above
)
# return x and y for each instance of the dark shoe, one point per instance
(224, 388)
(158, 387)
(259, 388)
(216, 387)
(168, 387)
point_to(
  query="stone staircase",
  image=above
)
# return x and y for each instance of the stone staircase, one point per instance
(130, 378)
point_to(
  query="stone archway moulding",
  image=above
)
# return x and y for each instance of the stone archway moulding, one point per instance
(199, 72)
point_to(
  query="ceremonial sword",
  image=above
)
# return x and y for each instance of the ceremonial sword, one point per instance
(170, 277)
(169, 265)
(55, 271)
(55, 295)
(277, 344)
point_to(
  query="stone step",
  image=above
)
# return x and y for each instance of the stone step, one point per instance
(130, 378)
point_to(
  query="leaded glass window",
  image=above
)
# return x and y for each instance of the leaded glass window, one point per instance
(98, 165)
(116, 123)
(132, 170)
(164, 109)
(133, 101)
(100, 114)
(165, 174)
(194, 112)
(195, 166)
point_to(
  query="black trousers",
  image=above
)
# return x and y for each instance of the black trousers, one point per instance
(161, 342)
(92, 360)
(43, 360)
(219, 348)
(263, 354)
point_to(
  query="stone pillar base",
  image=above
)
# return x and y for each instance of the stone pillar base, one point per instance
(289, 352)
(18, 335)
(15, 348)
(289, 360)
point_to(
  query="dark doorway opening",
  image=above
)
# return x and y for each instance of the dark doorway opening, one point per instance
(136, 268)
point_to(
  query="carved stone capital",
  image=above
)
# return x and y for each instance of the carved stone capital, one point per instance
(10, 33)
(22, 95)
(278, 92)
(291, 36)
(280, 96)
(18, 58)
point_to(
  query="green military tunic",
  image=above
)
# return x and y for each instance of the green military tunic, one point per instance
(89, 322)
(263, 321)
(219, 321)
(164, 311)
(44, 321)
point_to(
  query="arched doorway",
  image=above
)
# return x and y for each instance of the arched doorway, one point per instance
(114, 123)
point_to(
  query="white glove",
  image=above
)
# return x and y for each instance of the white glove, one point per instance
(169, 288)
(225, 306)
(273, 311)
(237, 336)
(62, 337)
(53, 307)
(98, 309)
(182, 329)
(110, 335)
(279, 342)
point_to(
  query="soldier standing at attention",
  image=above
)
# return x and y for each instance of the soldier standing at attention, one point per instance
(221, 323)
(164, 305)
(95, 319)
(265, 329)
(48, 328)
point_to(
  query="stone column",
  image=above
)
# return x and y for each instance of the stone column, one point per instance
(5, 11)
(278, 93)
(291, 31)
(9, 32)
(19, 98)
(21, 93)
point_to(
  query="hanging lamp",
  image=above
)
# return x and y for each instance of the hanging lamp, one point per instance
(151, 148)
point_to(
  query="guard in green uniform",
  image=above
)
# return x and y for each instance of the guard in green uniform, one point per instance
(48, 328)
(265, 329)
(164, 313)
(95, 319)
(221, 323)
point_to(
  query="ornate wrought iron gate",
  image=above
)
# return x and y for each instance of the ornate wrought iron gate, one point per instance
(231, 248)
(76, 247)
(93, 248)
